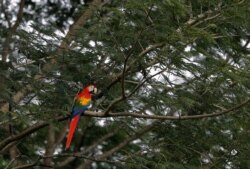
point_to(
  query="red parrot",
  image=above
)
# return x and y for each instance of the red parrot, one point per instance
(82, 103)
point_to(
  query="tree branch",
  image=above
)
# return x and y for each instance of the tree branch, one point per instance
(119, 146)
(6, 45)
(36, 163)
(3, 8)
(188, 117)
(89, 148)
(62, 47)
(117, 100)
(130, 53)
(38, 126)
(126, 141)
(74, 28)
(27, 132)
(208, 15)
(50, 145)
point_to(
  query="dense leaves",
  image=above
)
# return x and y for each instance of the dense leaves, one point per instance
(158, 65)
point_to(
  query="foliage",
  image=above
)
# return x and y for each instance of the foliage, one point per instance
(174, 76)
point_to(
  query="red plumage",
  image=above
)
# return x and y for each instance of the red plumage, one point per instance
(72, 129)
(82, 103)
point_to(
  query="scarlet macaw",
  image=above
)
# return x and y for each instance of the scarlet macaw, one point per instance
(82, 103)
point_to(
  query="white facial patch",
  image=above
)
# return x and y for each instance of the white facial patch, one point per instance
(92, 89)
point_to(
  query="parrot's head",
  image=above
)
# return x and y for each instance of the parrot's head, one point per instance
(92, 89)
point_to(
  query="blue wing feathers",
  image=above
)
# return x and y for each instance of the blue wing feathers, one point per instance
(78, 110)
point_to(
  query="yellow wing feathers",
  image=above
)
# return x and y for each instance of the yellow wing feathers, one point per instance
(84, 101)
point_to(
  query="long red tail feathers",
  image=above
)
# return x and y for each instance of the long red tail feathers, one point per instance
(72, 128)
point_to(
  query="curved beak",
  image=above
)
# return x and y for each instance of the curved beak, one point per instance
(95, 90)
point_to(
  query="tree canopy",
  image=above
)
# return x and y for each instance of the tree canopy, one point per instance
(174, 76)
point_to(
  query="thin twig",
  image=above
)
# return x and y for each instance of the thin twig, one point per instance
(130, 53)
(89, 148)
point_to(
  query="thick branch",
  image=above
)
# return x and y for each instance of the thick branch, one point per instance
(38, 126)
(6, 48)
(27, 132)
(72, 33)
(12, 30)
(16, 98)
(62, 47)
(50, 146)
